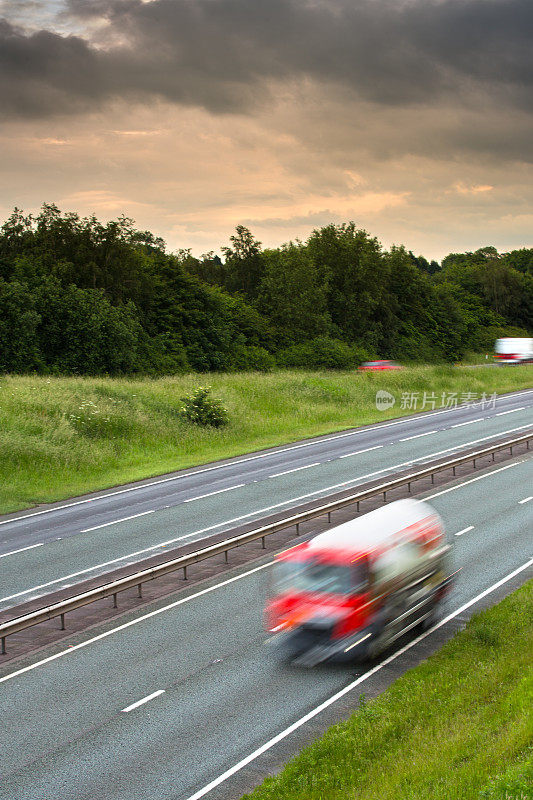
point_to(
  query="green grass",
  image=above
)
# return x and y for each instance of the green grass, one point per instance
(457, 727)
(66, 436)
(473, 357)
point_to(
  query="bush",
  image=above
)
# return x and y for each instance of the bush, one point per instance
(363, 354)
(320, 353)
(484, 338)
(201, 409)
(252, 358)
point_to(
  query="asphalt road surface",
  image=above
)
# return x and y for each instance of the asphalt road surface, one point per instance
(166, 702)
(55, 547)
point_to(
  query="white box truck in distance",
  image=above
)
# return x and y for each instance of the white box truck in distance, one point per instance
(513, 351)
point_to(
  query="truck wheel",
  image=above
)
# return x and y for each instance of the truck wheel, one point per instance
(431, 619)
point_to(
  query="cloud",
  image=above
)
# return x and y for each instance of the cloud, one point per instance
(480, 188)
(136, 133)
(204, 174)
(196, 115)
(101, 200)
(228, 56)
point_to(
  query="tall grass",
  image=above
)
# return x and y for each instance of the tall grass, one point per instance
(457, 727)
(65, 436)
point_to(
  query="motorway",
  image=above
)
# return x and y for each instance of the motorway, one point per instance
(54, 547)
(167, 701)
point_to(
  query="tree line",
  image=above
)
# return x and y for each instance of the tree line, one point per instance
(81, 297)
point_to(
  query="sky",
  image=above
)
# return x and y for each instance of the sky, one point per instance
(412, 118)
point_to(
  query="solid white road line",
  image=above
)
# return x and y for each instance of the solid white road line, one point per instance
(357, 452)
(196, 533)
(364, 429)
(467, 444)
(502, 413)
(473, 480)
(202, 592)
(135, 621)
(210, 494)
(358, 479)
(465, 530)
(470, 422)
(21, 550)
(77, 574)
(525, 500)
(143, 701)
(351, 686)
(418, 436)
(296, 469)
(116, 521)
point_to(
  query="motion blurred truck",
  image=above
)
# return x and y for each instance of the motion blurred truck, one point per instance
(513, 351)
(349, 593)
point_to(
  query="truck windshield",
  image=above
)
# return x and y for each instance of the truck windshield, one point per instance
(314, 576)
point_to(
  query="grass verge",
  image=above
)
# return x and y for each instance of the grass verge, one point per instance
(65, 436)
(457, 727)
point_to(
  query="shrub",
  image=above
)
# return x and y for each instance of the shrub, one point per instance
(362, 353)
(249, 357)
(201, 409)
(320, 353)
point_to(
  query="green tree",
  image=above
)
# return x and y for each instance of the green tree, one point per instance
(292, 294)
(80, 332)
(19, 347)
(244, 265)
(350, 267)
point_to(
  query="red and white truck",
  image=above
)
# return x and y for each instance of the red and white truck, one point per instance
(349, 593)
(513, 351)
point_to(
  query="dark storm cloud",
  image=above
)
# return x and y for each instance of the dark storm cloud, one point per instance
(222, 54)
(44, 73)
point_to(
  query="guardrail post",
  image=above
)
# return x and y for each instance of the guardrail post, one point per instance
(432, 477)
(115, 605)
(185, 573)
(409, 486)
(474, 463)
(139, 590)
(384, 497)
(3, 651)
(329, 516)
(453, 471)
(493, 454)
(358, 505)
(226, 556)
(263, 545)
(62, 618)
(297, 529)
(511, 449)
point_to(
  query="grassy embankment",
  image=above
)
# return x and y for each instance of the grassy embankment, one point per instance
(457, 727)
(65, 436)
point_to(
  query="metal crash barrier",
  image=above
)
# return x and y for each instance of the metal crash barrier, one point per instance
(183, 562)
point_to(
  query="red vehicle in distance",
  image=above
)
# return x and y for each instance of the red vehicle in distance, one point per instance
(376, 366)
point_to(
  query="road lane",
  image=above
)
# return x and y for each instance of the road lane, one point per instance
(106, 545)
(224, 694)
(76, 512)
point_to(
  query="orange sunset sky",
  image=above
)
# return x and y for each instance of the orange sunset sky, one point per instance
(411, 117)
